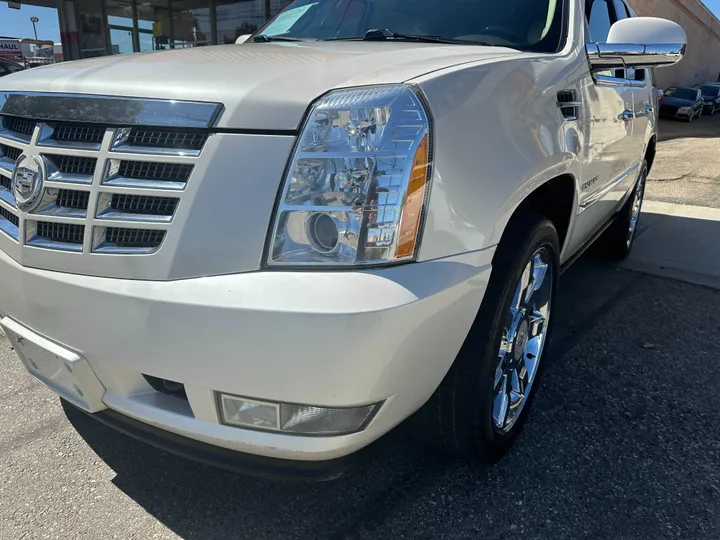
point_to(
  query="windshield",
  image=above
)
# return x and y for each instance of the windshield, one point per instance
(683, 93)
(710, 91)
(521, 24)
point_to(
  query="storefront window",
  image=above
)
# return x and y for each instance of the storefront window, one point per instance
(191, 23)
(92, 28)
(237, 18)
(154, 25)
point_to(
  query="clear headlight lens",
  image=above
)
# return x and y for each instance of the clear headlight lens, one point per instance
(686, 109)
(357, 183)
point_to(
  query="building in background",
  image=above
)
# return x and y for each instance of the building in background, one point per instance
(91, 28)
(702, 61)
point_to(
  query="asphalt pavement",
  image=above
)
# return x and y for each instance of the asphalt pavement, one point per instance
(623, 441)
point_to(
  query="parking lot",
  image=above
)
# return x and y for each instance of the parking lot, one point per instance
(623, 440)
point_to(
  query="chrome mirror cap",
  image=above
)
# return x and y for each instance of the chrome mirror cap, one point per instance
(639, 42)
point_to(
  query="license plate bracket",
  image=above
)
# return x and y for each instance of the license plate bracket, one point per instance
(65, 372)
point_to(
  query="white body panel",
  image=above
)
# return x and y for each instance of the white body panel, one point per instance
(204, 312)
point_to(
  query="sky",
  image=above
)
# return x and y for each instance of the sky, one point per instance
(16, 22)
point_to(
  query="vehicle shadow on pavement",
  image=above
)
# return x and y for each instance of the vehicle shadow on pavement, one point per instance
(623, 442)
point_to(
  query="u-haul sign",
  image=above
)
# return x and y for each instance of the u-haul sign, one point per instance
(10, 47)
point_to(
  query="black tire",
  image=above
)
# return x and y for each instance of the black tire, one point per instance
(617, 242)
(458, 417)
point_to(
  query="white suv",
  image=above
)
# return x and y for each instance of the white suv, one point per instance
(267, 255)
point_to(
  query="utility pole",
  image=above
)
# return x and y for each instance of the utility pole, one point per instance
(34, 20)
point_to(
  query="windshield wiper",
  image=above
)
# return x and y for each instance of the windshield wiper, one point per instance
(389, 35)
(264, 38)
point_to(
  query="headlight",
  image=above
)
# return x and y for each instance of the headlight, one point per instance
(686, 109)
(357, 183)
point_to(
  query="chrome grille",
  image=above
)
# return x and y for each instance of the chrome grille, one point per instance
(78, 133)
(184, 140)
(10, 152)
(9, 217)
(134, 238)
(73, 164)
(21, 126)
(147, 170)
(63, 233)
(139, 204)
(68, 198)
(116, 171)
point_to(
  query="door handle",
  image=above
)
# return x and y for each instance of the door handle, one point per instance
(649, 109)
(627, 116)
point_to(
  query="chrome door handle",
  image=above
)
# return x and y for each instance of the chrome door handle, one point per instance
(627, 116)
(649, 109)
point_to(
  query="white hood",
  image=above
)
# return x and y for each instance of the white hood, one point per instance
(262, 85)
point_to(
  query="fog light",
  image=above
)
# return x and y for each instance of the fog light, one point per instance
(323, 421)
(296, 419)
(243, 412)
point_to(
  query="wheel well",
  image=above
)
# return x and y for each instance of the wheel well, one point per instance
(555, 200)
(650, 152)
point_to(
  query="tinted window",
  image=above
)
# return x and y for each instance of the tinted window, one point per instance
(710, 91)
(13, 67)
(599, 21)
(535, 25)
(683, 93)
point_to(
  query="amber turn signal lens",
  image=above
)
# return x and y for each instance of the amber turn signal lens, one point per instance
(414, 198)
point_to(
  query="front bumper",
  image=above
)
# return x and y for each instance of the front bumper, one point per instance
(333, 339)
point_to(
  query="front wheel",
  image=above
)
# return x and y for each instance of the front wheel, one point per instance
(617, 241)
(481, 404)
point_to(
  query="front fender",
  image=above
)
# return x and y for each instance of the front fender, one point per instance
(499, 135)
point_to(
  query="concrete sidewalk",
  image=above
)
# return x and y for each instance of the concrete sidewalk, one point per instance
(678, 241)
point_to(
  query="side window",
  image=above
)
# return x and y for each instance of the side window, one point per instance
(3, 71)
(13, 68)
(599, 20)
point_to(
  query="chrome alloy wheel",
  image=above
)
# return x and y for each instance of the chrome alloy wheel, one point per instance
(523, 340)
(636, 208)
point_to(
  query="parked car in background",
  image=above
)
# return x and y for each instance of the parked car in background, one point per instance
(711, 97)
(271, 266)
(6, 68)
(683, 103)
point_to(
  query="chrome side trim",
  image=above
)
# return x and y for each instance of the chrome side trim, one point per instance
(110, 110)
(600, 194)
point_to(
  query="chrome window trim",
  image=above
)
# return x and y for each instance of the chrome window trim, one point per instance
(115, 110)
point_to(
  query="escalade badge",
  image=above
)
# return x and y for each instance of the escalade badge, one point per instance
(27, 182)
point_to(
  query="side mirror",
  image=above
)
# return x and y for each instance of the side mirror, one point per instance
(242, 39)
(639, 42)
